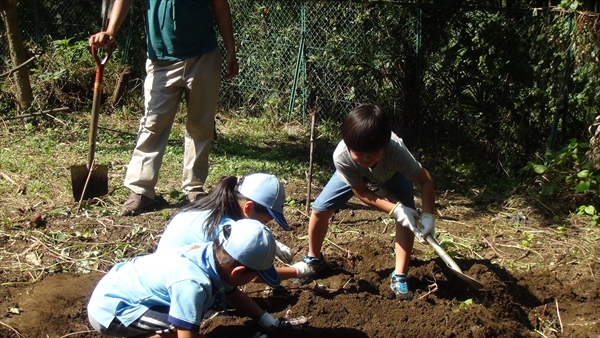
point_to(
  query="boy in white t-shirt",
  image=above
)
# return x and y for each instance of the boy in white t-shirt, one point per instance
(371, 152)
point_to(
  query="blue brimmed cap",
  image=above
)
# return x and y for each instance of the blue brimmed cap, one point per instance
(267, 191)
(253, 245)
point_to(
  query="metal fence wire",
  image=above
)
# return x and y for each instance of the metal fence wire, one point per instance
(445, 71)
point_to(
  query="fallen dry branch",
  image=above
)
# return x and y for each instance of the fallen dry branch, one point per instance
(43, 112)
(432, 288)
(491, 245)
(6, 177)
(8, 73)
(558, 315)
(12, 329)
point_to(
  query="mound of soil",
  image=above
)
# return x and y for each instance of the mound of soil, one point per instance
(529, 291)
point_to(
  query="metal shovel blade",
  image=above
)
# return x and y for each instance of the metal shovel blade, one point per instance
(452, 264)
(88, 184)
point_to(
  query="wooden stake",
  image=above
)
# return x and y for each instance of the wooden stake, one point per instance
(310, 161)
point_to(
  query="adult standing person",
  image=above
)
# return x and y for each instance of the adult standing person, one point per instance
(183, 59)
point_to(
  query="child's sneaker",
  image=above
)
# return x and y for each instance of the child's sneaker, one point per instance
(316, 265)
(399, 284)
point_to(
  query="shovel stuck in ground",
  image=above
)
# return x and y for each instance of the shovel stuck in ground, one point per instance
(91, 180)
(452, 264)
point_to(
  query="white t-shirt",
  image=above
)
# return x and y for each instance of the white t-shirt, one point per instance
(396, 158)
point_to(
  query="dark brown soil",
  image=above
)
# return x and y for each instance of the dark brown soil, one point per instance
(540, 281)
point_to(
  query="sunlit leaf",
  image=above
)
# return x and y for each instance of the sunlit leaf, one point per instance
(583, 174)
(582, 187)
(590, 210)
(539, 168)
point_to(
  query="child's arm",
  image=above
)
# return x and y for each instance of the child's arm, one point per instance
(371, 199)
(177, 334)
(425, 181)
(286, 272)
(246, 305)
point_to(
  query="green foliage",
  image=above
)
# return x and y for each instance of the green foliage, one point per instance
(566, 171)
(527, 239)
(567, 167)
(64, 75)
(464, 305)
(589, 210)
(488, 86)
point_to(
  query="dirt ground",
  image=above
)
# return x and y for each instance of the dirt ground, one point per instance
(540, 280)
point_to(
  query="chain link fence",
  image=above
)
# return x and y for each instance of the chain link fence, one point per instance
(484, 79)
(45, 21)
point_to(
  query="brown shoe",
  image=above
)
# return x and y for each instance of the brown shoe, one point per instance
(196, 194)
(135, 205)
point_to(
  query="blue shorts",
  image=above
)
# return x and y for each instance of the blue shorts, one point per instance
(336, 193)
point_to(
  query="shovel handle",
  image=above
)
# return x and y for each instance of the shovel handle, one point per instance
(101, 62)
(96, 100)
(439, 250)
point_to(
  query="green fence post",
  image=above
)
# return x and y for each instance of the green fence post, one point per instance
(562, 107)
(37, 22)
(299, 62)
(418, 70)
(129, 35)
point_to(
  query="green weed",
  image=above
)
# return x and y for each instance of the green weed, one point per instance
(464, 305)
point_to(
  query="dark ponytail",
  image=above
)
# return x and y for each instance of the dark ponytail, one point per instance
(221, 200)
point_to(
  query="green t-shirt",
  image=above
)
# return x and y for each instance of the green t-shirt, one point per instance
(179, 29)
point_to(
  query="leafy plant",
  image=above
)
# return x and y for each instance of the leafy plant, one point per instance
(464, 305)
(566, 171)
(527, 238)
(591, 211)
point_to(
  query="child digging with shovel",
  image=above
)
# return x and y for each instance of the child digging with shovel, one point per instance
(371, 152)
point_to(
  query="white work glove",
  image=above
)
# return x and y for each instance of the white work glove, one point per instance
(405, 216)
(269, 323)
(283, 252)
(427, 227)
(302, 269)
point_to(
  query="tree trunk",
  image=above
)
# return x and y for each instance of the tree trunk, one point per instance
(8, 10)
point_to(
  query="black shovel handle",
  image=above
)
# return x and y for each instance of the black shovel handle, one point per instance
(96, 102)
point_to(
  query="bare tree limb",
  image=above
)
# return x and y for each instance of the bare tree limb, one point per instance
(43, 112)
(18, 67)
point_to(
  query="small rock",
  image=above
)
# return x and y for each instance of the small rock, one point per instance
(37, 220)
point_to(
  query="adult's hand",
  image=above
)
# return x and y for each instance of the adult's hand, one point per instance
(232, 66)
(101, 39)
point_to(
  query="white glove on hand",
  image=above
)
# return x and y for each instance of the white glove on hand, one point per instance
(405, 216)
(270, 323)
(302, 269)
(428, 227)
(284, 253)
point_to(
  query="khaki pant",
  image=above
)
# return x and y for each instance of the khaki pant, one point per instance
(199, 78)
